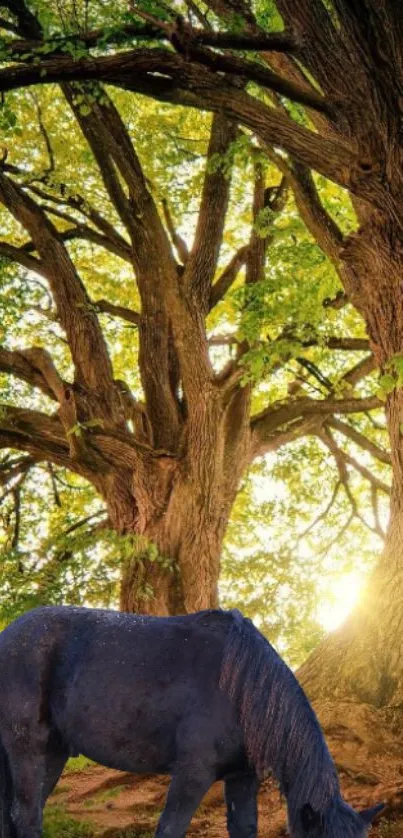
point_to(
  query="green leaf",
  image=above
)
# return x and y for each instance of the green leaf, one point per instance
(387, 383)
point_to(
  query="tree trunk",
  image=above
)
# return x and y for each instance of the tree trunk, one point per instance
(362, 661)
(177, 525)
(174, 568)
(355, 678)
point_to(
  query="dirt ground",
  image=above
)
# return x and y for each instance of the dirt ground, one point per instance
(369, 760)
(114, 801)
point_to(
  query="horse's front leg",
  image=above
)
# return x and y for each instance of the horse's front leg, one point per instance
(28, 774)
(240, 797)
(188, 786)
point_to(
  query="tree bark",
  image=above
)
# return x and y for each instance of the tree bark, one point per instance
(176, 529)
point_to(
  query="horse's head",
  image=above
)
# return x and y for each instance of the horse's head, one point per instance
(339, 822)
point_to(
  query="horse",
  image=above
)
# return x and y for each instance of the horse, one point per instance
(200, 697)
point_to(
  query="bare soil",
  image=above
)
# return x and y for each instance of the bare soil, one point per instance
(367, 748)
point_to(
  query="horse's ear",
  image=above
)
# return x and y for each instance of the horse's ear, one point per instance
(369, 815)
(309, 818)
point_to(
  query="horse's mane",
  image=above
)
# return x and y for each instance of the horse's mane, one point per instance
(282, 733)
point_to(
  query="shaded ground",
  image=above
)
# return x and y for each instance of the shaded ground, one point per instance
(370, 763)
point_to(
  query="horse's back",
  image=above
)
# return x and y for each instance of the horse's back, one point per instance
(125, 689)
(60, 638)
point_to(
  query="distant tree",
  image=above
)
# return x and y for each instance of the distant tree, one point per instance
(230, 348)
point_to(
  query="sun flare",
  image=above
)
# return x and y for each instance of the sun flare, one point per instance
(344, 596)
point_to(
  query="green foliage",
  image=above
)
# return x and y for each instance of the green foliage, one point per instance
(268, 16)
(392, 378)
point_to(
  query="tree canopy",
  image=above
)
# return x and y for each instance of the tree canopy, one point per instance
(165, 271)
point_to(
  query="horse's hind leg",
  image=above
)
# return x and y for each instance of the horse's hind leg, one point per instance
(28, 755)
(240, 798)
(188, 787)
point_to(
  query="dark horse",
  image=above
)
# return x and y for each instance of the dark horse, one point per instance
(200, 697)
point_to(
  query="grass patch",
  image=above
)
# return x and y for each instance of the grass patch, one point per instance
(108, 793)
(79, 763)
(60, 790)
(130, 832)
(57, 824)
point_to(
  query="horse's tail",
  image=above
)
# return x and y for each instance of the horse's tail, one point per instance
(6, 794)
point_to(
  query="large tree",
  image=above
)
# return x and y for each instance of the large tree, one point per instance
(168, 464)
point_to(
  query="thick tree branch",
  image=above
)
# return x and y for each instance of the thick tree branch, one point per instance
(279, 415)
(42, 362)
(36, 433)
(170, 77)
(338, 343)
(127, 314)
(316, 218)
(257, 244)
(40, 448)
(276, 439)
(18, 363)
(28, 24)
(86, 233)
(344, 344)
(202, 263)
(371, 33)
(252, 71)
(23, 258)
(99, 140)
(87, 345)
(88, 452)
(360, 371)
(156, 268)
(322, 49)
(261, 42)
